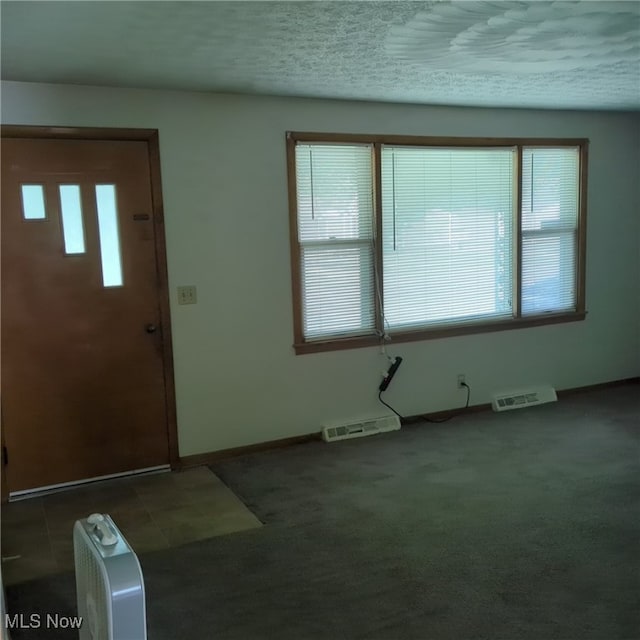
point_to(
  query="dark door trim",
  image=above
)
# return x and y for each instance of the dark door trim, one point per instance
(153, 145)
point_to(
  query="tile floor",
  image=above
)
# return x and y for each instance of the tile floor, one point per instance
(153, 512)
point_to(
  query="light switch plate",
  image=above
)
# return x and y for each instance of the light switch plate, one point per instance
(187, 294)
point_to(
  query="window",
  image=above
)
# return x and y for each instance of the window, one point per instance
(71, 212)
(446, 235)
(335, 236)
(109, 235)
(33, 202)
(420, 237)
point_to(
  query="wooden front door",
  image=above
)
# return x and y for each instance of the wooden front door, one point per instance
(87, 387)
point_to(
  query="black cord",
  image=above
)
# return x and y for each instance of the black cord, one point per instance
(464, 384)
(466, 406)
(389, 406)
(434, 420)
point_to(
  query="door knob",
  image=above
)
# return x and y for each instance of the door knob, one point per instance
(150, 328)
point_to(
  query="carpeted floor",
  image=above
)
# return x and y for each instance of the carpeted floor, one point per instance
(520, 525)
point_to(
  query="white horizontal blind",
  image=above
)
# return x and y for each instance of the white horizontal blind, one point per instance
(447, 218)
(335, 236)
(550, 182)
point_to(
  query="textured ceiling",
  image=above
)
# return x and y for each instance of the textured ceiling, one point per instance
(582, 55)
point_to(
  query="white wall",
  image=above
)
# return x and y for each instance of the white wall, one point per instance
(225, 193)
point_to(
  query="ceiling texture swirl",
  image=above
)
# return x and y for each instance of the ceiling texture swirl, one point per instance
(565, 55)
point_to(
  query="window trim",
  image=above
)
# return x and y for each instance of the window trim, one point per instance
(301, 346)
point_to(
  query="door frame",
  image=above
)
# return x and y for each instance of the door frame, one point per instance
(151, 137)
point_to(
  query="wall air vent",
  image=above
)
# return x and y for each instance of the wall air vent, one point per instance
(360, 429)
(525, 398)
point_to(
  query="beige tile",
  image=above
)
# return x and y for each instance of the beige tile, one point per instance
(116, 503)
(216, 495)
(69, 510)
(208, 527)
(168, 497)
(195, 477)
(116, 483)
(28, 568)
(64, 518)
(220, 501)
(190, 531)
(151, 482)
(240, 521)
(78, 496)
(214, 488)
(24, 512)
(222, 509)
(64, 559)
(94, 500)
(62, 526)
(165, 517)
(145, 537)
(132, 516)
(61, 540)
(24, 539)
(153, 512)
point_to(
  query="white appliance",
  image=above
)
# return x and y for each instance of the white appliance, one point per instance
(109, 582)
(524, 398)
(360, 428)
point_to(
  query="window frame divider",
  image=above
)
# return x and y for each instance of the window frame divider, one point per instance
(378, 274)
(581, 262)
(295, 246)
(448, 331)
(516, 298)
(430, 141)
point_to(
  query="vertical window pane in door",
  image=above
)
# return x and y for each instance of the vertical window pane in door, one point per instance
(109, 235)
(33, 202)
(72, 227)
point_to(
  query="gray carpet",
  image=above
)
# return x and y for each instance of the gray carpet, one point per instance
(520, 525)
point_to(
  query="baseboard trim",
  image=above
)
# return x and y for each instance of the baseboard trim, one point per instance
(475, 408)
(600, 385)
(211, 457)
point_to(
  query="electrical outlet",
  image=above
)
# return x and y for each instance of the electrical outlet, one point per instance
(187, 295)
(462, 380)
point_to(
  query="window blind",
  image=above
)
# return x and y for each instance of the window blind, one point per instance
(447, 217)
(335, 236)
(549, 229)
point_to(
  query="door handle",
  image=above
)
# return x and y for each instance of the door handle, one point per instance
(150, 328)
